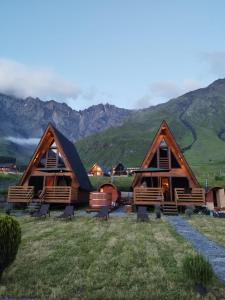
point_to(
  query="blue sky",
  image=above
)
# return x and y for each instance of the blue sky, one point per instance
(132, 54)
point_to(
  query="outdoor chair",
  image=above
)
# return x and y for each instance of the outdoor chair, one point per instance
(68, 213)
(158, 211)
(142, 213)
(42, 212)
(103, 213)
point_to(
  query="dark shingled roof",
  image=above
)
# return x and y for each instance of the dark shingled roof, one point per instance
(74, 160)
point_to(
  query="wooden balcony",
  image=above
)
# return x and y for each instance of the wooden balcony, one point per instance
(58, 194)
(20, 194)
(196, 197)
(148, 196)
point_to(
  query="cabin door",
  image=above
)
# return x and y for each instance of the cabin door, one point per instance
(165, 185)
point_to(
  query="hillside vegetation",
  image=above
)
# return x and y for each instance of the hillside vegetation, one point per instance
(197, 120)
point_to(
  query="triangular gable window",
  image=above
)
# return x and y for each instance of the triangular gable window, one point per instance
(174, 163)
(153, 162)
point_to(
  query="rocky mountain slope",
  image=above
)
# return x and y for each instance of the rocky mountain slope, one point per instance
(27, 118)
(197, 120)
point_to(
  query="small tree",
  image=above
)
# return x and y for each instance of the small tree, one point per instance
(10, 238)
(198, 269)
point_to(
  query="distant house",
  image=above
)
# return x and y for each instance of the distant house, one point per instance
(119, 170)
(98, 170)
(131, 170)
(7, 164)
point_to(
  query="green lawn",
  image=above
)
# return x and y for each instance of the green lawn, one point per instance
(213, 228)
(90, 259)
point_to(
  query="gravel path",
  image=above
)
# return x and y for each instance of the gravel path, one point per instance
(209, 249)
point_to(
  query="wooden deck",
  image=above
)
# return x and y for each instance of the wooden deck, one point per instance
(196, 197)
(153, 196)
(58, 194)
(20, 194)
(148, 196)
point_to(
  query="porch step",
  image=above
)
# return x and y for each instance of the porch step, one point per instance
(33, 206)
(170, 209)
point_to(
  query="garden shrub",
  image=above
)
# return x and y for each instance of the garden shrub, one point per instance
(10, 238)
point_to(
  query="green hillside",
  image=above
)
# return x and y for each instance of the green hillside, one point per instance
(197, 120)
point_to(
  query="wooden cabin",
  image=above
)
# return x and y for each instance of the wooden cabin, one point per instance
(119, 170)
(165, 177)
(96, 170)
(55, 173)
(7, 164)
(215, 198)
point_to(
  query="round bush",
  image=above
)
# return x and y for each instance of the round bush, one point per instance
(198, 269)
(10, 238)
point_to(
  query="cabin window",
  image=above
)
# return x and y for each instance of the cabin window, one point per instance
(63, 181)
(180, 182)
(61, 163)
(150, 181)
(42, 161)
(174, 162)
(153, 162)
(163, 155)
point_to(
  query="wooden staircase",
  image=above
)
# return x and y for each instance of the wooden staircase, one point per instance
(170, 208)
(33, 207)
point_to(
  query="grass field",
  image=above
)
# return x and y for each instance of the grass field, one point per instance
(90, 259)
(213, 228)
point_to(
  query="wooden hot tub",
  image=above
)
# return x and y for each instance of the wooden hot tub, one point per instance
(97, 200)
(111, 189)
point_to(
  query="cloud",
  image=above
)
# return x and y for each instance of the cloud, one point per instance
(215, 61)
(162, 91)
(23, 141)
(22, 81)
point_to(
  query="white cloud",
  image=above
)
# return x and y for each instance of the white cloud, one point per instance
(23, 141)
(22, 81)
(162, 91)
(215, 61)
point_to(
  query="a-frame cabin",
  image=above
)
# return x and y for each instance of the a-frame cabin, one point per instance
(55, 173)
(165, 176)
(96, 170)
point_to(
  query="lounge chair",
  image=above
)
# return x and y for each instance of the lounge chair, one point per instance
(157, 211)
(142, 213)
(68, 213)
(103, 213)
(42, 212)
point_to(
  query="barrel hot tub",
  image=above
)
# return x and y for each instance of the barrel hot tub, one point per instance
(99, 199)
(111, 189)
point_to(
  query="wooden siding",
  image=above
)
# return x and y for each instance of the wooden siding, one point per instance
(148, 196)
(196, 197)
(58, 194)
(20, 194)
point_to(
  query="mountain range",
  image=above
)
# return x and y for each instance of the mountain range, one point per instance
(22, 122)
(197, 120)
(107, 134)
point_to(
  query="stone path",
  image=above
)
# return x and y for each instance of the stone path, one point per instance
(209, 249)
